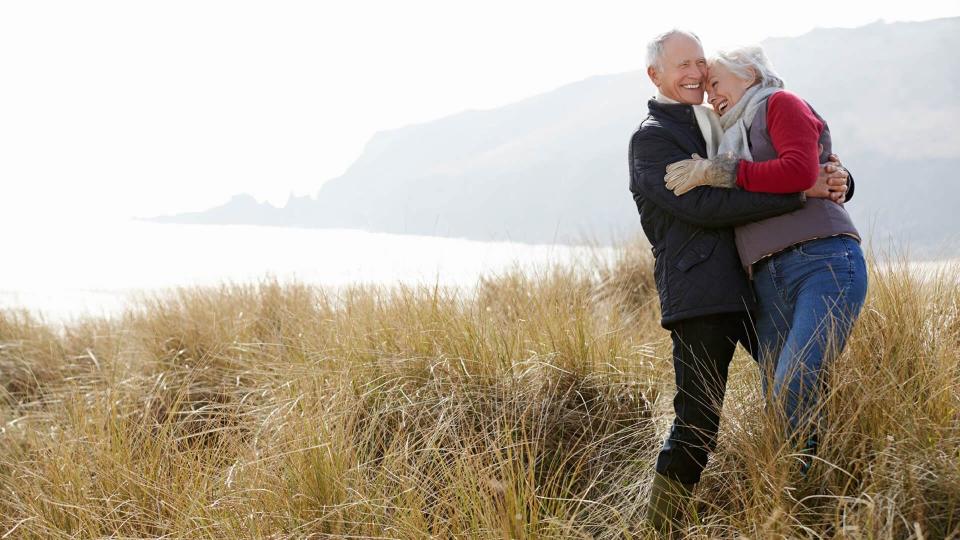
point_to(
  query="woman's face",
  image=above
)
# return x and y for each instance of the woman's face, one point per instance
(724, 89)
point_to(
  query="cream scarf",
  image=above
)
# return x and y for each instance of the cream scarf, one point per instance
(736, 121)
(708, 121)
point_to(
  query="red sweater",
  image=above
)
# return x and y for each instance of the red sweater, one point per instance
(795, 133)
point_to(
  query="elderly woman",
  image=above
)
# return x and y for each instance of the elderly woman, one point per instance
(807, 267)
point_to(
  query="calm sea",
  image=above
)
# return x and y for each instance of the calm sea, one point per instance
(98, 269)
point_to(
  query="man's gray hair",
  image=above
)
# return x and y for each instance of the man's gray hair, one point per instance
(655, 47)
(750, 63)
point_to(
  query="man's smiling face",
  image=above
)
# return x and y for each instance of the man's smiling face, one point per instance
(682, 70)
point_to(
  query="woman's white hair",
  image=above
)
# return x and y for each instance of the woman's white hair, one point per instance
(749, 63)
(655, 47)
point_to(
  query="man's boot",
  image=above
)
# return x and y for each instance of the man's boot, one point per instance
(669, 500)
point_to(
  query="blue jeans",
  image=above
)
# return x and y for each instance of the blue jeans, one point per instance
(809, 296)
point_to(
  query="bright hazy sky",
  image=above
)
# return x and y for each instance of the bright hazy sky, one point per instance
(126, 108)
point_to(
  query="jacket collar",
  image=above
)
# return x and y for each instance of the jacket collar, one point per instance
(679, 112)
(679, 117)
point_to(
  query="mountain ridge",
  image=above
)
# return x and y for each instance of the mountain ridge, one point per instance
(552, 167)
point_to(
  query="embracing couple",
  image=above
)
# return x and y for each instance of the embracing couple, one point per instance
(743, 205)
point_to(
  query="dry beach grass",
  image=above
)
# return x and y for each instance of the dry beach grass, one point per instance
(530, 408)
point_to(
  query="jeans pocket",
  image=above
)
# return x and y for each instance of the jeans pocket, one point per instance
(823, 248)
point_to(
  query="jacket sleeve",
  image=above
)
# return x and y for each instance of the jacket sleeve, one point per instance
(709, 207)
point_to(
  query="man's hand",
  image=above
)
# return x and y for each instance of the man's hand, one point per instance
(831, 182)
(837, 187)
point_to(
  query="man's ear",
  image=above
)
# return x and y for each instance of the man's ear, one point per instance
(654, 75)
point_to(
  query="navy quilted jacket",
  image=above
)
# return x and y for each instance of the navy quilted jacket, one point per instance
(696, 267)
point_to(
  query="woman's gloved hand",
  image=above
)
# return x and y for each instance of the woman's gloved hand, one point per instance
(685, 175)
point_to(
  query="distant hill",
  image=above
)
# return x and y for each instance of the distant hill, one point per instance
(552, 168)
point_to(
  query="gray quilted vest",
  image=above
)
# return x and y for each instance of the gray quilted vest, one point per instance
(819, 218)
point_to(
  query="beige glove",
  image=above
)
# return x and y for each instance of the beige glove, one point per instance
(685, 175)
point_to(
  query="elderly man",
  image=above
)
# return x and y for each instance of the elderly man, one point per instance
(705, 296)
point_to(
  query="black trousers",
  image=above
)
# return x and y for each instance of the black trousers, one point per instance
(702, 350)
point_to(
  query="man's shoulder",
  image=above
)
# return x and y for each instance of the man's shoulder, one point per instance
(649, 126)
(652, 129)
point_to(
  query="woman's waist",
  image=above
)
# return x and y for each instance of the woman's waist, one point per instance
(819, 218)
(839, 244)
